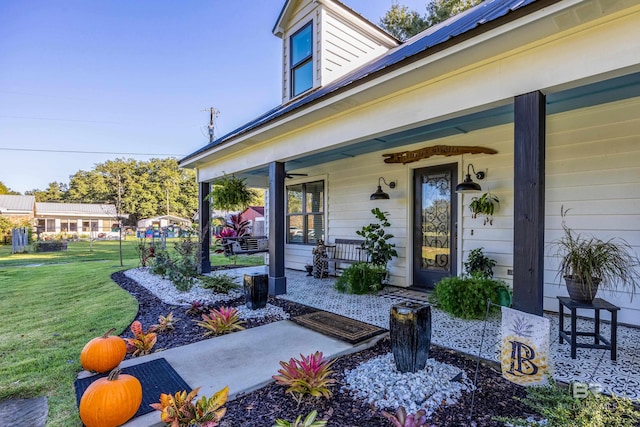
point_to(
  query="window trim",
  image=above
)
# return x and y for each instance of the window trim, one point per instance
(304, 214)
(302, 62)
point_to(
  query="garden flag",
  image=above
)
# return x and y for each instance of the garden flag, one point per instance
(524, 352)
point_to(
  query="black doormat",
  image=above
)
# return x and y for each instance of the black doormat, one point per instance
(340, 327)
(156, 377)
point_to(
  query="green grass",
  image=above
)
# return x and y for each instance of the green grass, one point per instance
(52, 309)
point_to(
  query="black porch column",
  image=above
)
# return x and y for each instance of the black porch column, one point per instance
(528, 227)
(277, 279)
(204, 209)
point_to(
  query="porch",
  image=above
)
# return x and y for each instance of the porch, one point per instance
(621, 377)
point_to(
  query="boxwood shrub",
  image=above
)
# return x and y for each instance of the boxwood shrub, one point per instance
(466, 297)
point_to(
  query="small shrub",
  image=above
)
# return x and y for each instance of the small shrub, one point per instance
(360, 278)
(161, 263)
(466, 297)
(179, 410)
(222, 321)
(220, 283)
(560, 409)
(478, 264)
(309, 375)
(145, 251)
(165, 323)
(309, 421)
(50, 246)
(142, 342)
(197, 309)
(401, 419)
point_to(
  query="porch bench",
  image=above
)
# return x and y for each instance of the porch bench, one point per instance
(345, 251)
(245, 245)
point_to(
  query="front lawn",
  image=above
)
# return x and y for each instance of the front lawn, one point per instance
(52, 304)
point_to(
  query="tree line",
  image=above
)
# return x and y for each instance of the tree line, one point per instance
(141, 189)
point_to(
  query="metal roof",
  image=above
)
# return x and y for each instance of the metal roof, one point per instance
(415, 47)
(10, 203)
(49, 208)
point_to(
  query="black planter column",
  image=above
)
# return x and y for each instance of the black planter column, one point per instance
(256, 290)
(410, 333)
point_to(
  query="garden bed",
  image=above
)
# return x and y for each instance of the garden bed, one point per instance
(494, 396)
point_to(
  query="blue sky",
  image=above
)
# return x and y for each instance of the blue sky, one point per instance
(124, 76)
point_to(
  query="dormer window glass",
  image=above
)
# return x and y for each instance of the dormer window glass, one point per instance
(301, 60)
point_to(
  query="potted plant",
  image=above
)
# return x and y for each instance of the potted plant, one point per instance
(588, 264)
(484, 205)
(376, 240)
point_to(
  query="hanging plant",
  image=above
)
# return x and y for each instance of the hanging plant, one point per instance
(231, 193)
(484, 205)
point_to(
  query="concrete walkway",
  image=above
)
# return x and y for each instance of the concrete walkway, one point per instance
(245, 360)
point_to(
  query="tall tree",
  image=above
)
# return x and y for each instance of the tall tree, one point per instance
(404, 23)
(6, 190)
(145, 189)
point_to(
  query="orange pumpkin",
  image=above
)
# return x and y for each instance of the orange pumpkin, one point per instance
(111, 401)
(104, 353)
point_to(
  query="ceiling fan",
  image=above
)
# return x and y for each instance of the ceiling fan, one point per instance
(291, 175)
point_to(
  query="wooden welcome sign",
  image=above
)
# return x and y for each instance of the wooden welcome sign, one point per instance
(405, 157)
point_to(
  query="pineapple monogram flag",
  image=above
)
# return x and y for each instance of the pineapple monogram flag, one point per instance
(524, 349)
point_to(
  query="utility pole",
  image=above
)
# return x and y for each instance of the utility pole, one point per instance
(213, 113)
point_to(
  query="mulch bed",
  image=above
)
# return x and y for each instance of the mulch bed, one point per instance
(494, 395)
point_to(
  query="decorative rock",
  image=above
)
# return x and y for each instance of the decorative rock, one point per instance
(256, 290)
(410, 333)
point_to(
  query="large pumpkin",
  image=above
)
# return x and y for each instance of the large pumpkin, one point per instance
(111, 401)
(104, 353)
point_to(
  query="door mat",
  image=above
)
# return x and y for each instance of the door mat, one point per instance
(340, 327)
(156, 377)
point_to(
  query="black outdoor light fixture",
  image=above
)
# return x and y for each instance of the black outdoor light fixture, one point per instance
(379, 194)
(468, 186)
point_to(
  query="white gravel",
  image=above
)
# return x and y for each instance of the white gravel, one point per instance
(377, 381)
(165, 290)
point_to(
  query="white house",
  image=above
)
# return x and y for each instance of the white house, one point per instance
(549, 90)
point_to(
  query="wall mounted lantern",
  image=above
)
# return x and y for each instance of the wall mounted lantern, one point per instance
(468, 186)
(379, 194)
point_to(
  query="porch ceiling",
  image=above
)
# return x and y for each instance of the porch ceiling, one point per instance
(615, 89)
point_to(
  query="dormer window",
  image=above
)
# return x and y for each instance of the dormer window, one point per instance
(301, 60)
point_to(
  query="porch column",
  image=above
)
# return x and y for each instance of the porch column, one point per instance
(204, 209)
(528, 227)
(277, 279)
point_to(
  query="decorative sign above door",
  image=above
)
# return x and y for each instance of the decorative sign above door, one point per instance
(405, 157)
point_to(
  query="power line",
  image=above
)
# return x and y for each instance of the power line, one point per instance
(60, 120)
(42, 150)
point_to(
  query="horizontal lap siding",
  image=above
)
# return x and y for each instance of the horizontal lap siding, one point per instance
(593, 169)
(345, 48)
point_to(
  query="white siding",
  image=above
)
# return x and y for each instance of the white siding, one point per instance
(593, 168)
(344, 47)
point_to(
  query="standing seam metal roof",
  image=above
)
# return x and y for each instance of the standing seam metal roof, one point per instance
(12, 202)
(455, 26)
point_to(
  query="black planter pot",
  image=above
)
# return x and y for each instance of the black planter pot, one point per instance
(581, 292)
(410, 333)
(256, 290)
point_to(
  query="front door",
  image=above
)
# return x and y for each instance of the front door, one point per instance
(434, 231)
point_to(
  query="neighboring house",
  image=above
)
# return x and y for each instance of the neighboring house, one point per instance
(18, 209)
(164, 221)
(550, 87)
(97, 220)
(255, 216)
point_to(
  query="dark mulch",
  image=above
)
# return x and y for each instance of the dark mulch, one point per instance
(494, 396)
